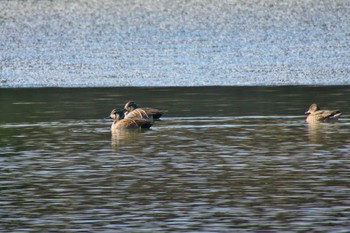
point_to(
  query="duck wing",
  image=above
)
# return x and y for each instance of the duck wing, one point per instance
(156, 113)
(327, 114)
(138, 113)
(143, 123)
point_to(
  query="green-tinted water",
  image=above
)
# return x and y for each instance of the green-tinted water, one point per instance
(221, 159)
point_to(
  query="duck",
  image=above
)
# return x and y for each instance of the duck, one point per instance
(133, 111)
(315, 114)
(121, 123)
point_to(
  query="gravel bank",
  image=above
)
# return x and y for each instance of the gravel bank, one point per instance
(174, 43)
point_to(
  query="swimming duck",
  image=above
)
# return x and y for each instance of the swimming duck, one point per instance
(120, 123)
(315, 114)
(133, 111)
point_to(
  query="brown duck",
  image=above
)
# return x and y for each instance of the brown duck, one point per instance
(120, 123)
(315, 114)
(133, 111)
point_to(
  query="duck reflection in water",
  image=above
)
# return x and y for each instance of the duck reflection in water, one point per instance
(124, 138)
(323, 133)
(315, 133)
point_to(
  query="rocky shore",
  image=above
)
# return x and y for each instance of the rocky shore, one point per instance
(174, 43)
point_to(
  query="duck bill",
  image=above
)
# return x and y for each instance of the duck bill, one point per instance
(109, 117)
(307, 112)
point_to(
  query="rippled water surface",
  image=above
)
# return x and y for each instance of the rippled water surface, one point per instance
(220, 160)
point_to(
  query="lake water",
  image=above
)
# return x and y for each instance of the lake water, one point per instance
(222, 159)
(107, 43)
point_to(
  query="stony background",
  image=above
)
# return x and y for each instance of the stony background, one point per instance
(174, 43)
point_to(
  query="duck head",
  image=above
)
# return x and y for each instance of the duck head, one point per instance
(116, 114)
(129, 106)
(312, 108)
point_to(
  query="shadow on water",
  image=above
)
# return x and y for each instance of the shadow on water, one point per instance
(220, 159)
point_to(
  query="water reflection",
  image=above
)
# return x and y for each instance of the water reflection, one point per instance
(320, 133)
(126, 137)
(315, 133)
(192, 171)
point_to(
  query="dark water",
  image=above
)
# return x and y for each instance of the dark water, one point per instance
(98, 43)
(221, 160)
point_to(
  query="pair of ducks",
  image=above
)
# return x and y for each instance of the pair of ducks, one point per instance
(133, 117)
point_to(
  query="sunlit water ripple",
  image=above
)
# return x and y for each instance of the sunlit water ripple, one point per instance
(208, 174)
